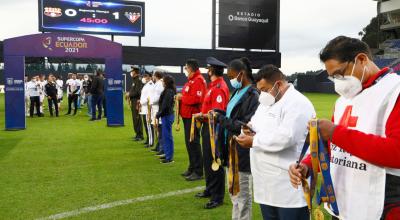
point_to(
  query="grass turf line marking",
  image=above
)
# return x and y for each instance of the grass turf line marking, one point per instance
(119, 203)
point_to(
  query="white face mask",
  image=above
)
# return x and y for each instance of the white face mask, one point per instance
(144, 81)
(186, 73)
(349, 86)
(266, 99)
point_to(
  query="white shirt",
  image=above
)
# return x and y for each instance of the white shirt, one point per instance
(281, 130)
(60, 85)
(72, 85)
(145, 96)
(42, 86)
(155, 99)
(33, 89)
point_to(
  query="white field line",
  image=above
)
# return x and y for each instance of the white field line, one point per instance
(119, 203)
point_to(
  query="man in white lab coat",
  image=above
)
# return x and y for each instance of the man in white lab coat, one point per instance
(280, 126)
(144, 102)
(154, 102)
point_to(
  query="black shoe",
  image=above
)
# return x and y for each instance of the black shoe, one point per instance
(194, 177)
(92, 119)
(98, 119)
(146, 143)
(68, 114)
(138, 138)
(165, 161)
(202, 195)
(41, 115)
(186, 173)
(162, 157)
(153, 150)
(146, 146)
(212, 204)
(159, 154)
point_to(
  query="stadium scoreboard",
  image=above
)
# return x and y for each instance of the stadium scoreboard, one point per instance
(93, 17)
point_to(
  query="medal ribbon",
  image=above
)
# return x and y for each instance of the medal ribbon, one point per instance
(319, 161)
(233, 172)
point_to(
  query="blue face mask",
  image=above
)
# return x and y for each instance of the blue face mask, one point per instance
(235, 83)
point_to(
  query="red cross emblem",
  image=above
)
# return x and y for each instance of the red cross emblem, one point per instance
(347, 120)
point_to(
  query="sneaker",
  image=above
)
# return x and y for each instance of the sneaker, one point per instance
(162, 157)
(165, 161)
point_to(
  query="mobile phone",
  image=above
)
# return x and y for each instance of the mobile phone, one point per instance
(246, 126)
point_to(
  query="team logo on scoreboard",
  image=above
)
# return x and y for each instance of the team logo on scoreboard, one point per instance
(47, 43)
(52, 12)
(133, 17)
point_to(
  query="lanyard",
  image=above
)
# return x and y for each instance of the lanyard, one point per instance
(213, 141)
(177, 125)
(319, 160)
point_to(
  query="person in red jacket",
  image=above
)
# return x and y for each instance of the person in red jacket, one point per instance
(217, 97)
(364, 134)
(190, 103)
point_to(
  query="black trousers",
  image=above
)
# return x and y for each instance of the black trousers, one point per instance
(144, 118)
(136, 119)
(104, 106)
(159, 139)
(97, 100)
(193, 148)
(35, 102)
(215, 180)
(51, 101)
(72, 98)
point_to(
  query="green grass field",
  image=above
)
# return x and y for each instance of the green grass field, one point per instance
(67, 163)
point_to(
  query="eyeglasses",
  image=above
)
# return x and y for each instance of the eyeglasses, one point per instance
(339, 74)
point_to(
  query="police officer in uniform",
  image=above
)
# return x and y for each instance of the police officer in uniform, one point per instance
(216, 97)
(133, 97)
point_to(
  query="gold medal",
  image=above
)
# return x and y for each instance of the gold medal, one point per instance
(198, 124)
(215, 166)
(219, 161)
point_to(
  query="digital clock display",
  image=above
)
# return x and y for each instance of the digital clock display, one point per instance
(93, 17)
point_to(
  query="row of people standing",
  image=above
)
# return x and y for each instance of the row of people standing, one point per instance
(222, 117)
(79, 91)
(36, 91)
(151, 99)
(213, 123)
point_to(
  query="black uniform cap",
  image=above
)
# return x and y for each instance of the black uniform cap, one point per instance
(211, 61)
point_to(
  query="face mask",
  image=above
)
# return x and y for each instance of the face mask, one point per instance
(349, 86)
(186, 73)
(266, 99)
(235, 83)
(144, 81)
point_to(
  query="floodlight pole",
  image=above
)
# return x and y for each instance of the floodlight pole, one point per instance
(112, 37)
